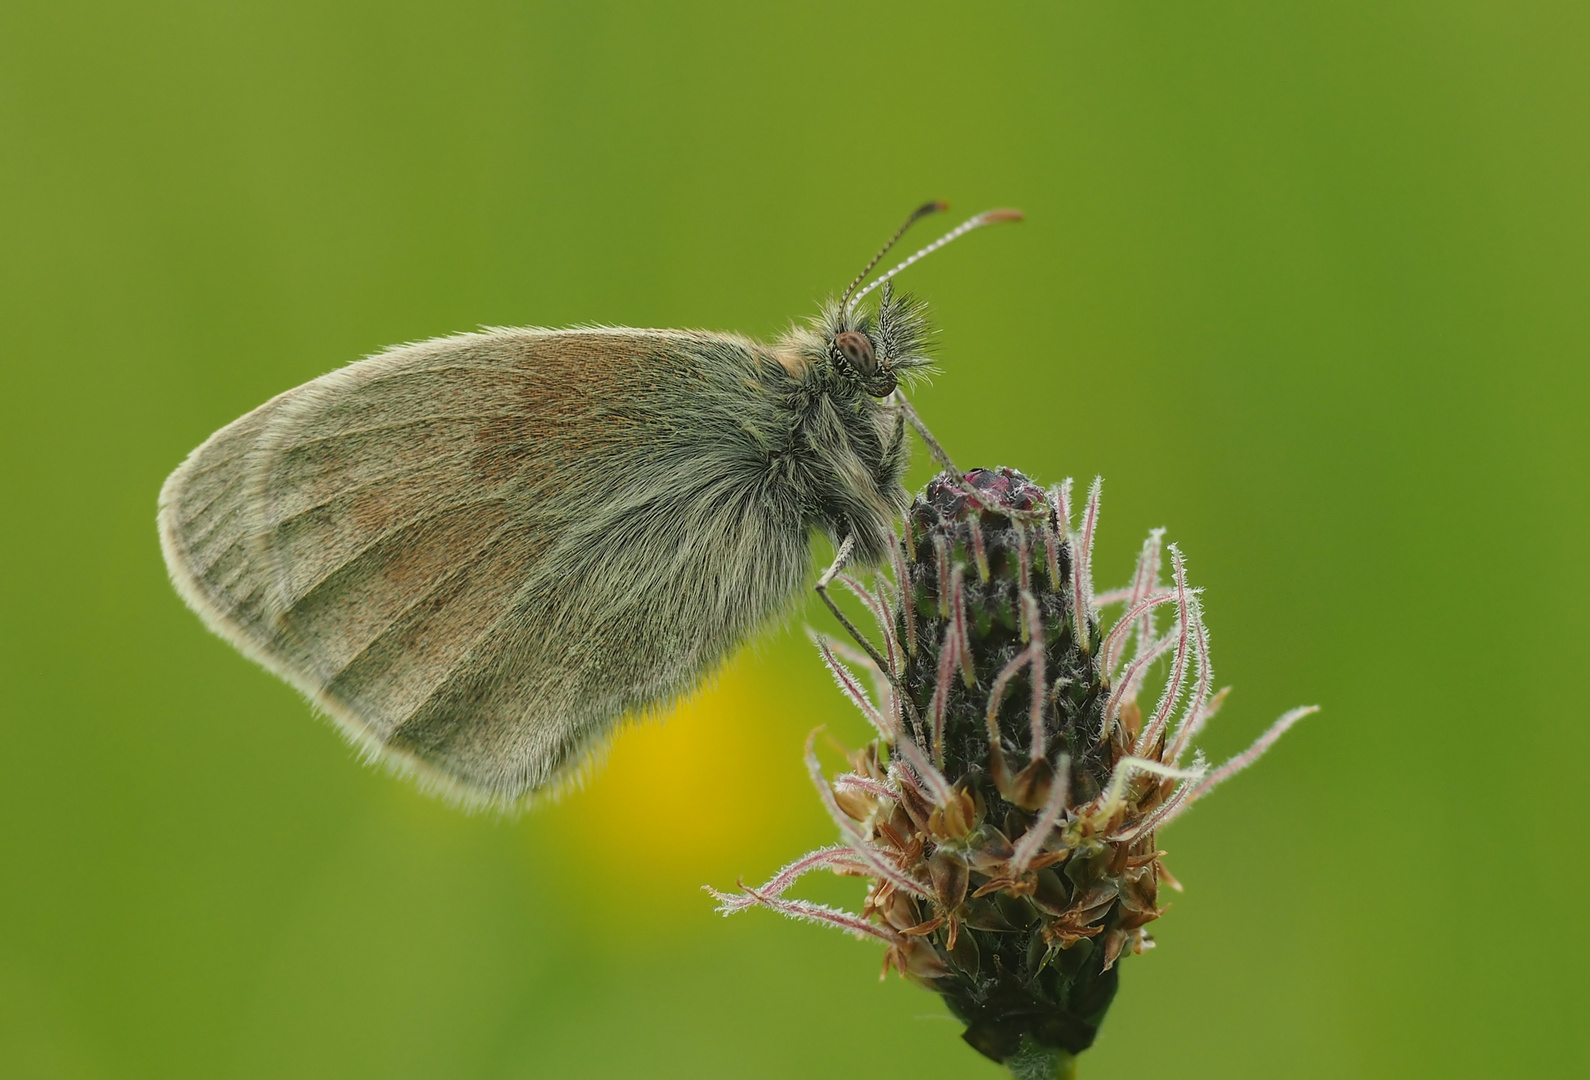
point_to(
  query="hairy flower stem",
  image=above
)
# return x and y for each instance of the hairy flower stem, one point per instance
(1035, 1062)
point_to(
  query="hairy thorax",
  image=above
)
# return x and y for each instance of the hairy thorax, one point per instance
(845, 459)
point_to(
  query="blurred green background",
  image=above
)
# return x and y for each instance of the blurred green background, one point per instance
(1305, 283)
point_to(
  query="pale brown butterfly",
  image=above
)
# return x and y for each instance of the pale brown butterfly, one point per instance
(478, 553)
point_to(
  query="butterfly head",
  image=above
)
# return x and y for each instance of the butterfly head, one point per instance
(873, 352)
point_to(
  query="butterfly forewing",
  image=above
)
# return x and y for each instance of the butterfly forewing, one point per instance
(387, 538)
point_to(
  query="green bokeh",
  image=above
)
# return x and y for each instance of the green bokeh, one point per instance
(1306, 283)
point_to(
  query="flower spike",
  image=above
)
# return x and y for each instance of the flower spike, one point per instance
(1013, 888)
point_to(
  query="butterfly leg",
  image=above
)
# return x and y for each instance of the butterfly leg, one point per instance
(938, 452)
(841, 557)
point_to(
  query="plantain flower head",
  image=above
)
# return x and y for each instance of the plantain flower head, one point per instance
(1007, 814)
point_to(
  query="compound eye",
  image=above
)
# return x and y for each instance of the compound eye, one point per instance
(856, 348)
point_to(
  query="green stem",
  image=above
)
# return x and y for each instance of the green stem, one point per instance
(1034, 1062)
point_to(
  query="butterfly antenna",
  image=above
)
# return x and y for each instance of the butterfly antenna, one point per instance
(987, 217)
(916, 215)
